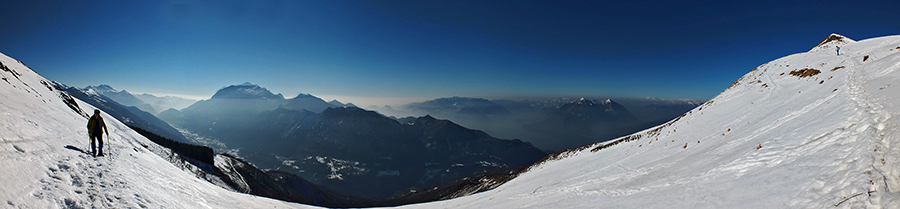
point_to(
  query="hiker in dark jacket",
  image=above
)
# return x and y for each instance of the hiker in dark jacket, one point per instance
(96, 127)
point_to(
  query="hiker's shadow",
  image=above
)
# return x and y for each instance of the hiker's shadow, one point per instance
(75, 148)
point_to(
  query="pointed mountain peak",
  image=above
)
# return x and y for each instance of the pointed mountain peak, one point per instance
(424, 121)
(831, 42)
(336, 103)
(302, 95)
(584, 102)
(428, 117)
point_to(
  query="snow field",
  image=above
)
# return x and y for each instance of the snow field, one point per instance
(771, 140)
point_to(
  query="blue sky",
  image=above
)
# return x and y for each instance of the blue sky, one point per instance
(371, 52)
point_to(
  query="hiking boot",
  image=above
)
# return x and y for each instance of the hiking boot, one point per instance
(100, 155)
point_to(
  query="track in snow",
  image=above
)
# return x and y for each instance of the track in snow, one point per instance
(89, 180)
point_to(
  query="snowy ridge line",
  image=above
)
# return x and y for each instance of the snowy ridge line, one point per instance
(17, 75)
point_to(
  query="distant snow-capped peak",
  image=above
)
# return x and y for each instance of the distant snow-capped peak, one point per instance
(102, 88)
(591, 102)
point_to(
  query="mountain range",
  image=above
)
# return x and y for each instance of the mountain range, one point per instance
(45, 148)
(346, 149)
(551, 125)
(165, 102)
(585, 121)
(122, 97)
(236, 106)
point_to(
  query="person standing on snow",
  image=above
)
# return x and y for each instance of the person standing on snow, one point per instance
(838, 50)
(96, 127)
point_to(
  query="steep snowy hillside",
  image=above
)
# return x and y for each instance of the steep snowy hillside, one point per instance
(809, 130)
(44, 165)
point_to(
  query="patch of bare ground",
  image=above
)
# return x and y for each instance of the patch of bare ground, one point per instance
(735, 83)
(655, 132)
(829, 39)
(805, 72)
(557, 156)
(738, 81)
(623, 139)
(837, 68)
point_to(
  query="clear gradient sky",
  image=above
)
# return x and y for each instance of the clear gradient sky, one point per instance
(365, 50)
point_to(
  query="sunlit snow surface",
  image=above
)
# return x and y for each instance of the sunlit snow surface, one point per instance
(772, 140)
(41, 165)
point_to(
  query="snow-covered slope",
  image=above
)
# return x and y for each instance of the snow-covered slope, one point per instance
(43, 164)
(809, 130)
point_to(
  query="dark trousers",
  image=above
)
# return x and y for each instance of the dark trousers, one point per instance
(99, 138)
